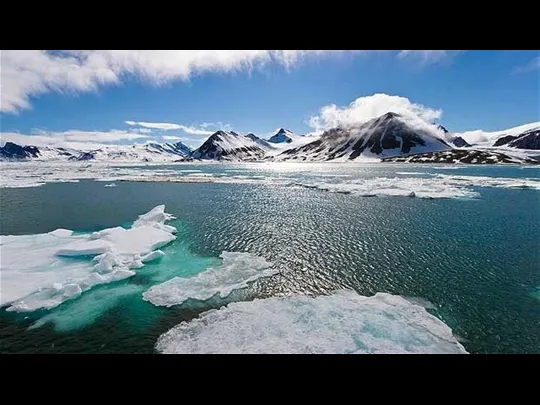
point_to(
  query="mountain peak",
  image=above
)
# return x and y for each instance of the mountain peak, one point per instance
(390, 115)
(442, 128)
(283, 135)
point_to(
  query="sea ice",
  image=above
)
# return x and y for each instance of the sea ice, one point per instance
(343, 322)
(44, 270)
(437, 186)
(235, 272)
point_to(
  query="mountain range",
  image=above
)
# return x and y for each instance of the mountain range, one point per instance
(390, 137)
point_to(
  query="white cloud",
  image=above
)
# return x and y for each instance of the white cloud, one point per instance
(365, 108)
(70, 138)
(193, 130)
(428, 57)
(175, 138)
(143, 130)
(30, 73)
(155, 125)
(529, 67)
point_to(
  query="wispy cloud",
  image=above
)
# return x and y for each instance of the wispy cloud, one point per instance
(426, 57)
(70, 138)
(365, 108)
(175, 138)
(206, 128)
(165, 126)
(28, 73)
(533, 65)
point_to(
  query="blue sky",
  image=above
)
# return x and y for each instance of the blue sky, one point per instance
(88, 96)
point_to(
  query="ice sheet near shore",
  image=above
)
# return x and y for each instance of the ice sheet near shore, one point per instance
(437, 186)
(405, 183)
(343, 322)
(44, 270)
(235, 272)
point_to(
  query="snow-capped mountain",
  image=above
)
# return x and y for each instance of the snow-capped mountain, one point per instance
(521, 143)
(224, 145)
(150, 152)
(388, 135)
(528, 140)
(13, 151)
(283, 135)
(505, 137)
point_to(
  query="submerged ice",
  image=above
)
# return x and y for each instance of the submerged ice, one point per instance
(343, 322)
(235, 272)
(44, 270)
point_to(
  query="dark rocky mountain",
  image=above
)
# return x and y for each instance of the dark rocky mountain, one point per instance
(460, 156)
(387, 135)
(440, 127)
(283, 135)
(264, 144)
(460, 142)
(230, 146)
(13, 151)
(504, 140)
(141, 152)
(528, 140)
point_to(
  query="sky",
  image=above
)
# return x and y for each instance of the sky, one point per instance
(78, 98)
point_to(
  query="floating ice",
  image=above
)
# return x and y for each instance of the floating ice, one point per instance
(235, 272)
(44, 270)
(343, 322)
(438, 186)
(399, 186)
(484, 181)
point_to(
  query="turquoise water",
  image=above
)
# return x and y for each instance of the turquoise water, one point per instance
(475, 260)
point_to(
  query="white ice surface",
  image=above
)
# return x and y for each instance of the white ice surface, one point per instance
(399, 186)
(44, 270)
(404, 184)
(436, 186)
(236, 271)
(343, 322)
(479, 137)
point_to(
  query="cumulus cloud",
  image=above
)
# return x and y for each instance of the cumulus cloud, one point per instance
(365, 108)
(28, 73)
(72, 138)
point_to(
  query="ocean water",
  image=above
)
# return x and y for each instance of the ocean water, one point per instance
(466, 246)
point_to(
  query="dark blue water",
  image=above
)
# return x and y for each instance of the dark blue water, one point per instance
(477, 260)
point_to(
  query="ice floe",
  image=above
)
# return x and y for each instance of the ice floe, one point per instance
(343, 322)
(399, 186)
(436, 186)
(235, 272)
(405, 183)
(44, 270)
